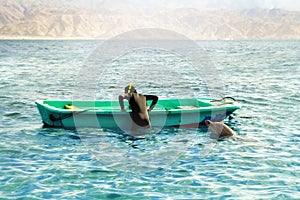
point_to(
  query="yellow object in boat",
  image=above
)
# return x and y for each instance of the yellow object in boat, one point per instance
(70, 107)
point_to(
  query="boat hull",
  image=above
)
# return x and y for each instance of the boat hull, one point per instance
(107, 114)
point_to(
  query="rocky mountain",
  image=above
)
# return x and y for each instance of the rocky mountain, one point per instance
(66, 19)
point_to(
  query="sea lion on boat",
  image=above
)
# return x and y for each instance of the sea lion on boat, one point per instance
(219, 130)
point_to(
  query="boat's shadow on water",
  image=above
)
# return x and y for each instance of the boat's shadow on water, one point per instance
(128, 136)
(91, 134)
(58, 133)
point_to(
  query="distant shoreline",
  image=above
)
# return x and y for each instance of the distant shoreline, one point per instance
(46, 38)
(84, 38)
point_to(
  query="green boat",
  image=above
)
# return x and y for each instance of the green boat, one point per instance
(186, 112)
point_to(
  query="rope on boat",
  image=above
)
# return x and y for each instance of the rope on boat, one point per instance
(223, 99)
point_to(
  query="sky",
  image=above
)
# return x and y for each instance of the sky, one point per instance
(202, 4)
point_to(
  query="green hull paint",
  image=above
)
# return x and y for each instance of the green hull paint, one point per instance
(107, 114)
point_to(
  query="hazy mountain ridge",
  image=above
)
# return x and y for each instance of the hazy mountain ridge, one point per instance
(26, 18)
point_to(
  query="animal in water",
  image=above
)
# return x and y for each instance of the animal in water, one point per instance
(219, 130)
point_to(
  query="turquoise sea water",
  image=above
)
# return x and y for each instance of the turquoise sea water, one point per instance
(40, 163)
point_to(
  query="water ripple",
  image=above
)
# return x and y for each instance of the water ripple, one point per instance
(46, 163)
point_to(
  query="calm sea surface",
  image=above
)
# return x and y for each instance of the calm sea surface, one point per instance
(171, 163)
